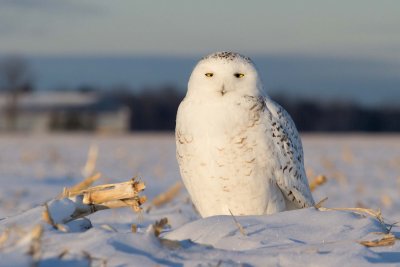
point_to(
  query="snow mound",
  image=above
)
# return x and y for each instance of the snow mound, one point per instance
(293, 238)
(292, 229)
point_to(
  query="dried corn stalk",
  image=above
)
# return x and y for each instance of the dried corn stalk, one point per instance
(35, 249)
(75, 190)
(158, 226)
(374, 213)
(362, 212)
(4, 237)
(111, 192)
(168, 195)
(90, 165)
(386, 240)
(319, 204)
(88, 201)
(238, 225)
(318, 181)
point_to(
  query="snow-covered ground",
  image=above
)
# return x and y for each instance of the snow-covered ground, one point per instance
(362, 171)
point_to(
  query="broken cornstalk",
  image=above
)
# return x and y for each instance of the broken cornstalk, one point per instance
(76, 204)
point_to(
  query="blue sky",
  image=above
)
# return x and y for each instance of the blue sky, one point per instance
(352, 28)
(329, 49)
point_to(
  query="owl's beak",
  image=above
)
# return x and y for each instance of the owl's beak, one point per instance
(223, 91)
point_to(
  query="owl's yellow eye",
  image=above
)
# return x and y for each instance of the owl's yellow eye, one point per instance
(209, 74)
(238, 75)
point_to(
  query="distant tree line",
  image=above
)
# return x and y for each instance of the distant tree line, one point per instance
(313, 116)
(15, 79)
(152, 109)
(155, 109)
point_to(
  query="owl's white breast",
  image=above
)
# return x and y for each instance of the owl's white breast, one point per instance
(224, 157)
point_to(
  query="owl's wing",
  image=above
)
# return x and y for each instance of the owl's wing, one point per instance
(290, 174)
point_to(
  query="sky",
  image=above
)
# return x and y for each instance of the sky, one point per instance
(343, 49)
(351, 28)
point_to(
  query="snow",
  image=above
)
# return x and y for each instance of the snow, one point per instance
(361, 170)
(278, 230)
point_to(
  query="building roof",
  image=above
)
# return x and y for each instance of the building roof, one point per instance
(46, 101)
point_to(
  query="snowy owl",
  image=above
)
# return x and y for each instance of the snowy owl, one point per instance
(238, 151)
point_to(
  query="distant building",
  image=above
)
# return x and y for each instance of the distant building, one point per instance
(67, 111)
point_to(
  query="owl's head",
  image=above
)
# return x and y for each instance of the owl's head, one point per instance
(224, 74)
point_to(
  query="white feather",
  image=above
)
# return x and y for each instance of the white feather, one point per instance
(229, 159)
